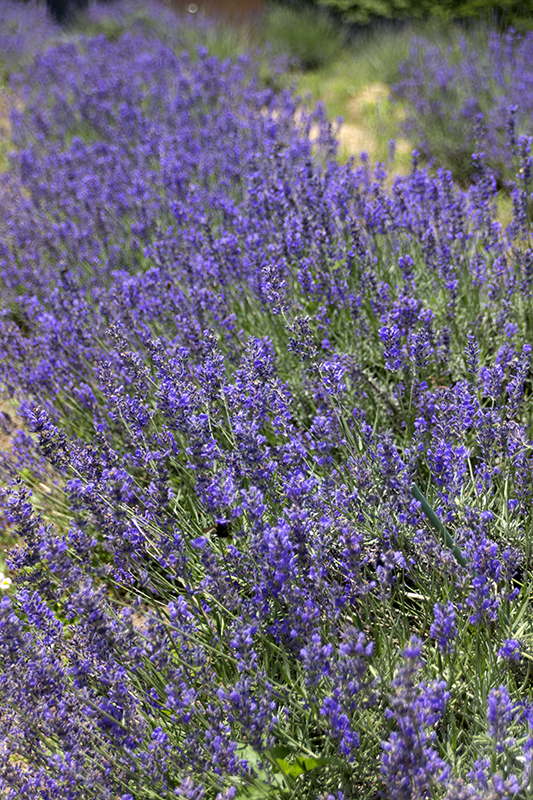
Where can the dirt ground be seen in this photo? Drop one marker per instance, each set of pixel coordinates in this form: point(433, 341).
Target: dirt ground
point(367, 120)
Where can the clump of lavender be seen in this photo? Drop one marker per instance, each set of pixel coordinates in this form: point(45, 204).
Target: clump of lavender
point(445, 88)
point(25, 28)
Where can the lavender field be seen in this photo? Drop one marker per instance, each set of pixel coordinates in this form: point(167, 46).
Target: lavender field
point(267, 429)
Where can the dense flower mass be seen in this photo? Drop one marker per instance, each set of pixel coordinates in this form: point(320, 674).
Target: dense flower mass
point(230, 369)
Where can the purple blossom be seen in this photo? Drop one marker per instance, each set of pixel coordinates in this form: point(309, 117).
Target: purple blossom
point(510, 650)
point(443, 628)
point(392, 350)
point(500, 714)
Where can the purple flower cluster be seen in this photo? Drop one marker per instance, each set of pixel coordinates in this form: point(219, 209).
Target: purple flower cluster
point(444, 629)
point(409, 764)
point(233, 357)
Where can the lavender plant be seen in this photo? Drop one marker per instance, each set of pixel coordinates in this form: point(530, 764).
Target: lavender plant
point(25, 28)
point(238, 366)
point(445, 87)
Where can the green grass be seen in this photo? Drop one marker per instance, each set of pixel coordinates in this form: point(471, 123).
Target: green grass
point(355, 86)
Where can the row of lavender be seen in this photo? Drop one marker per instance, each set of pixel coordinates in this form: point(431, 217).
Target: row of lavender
point(236, 358)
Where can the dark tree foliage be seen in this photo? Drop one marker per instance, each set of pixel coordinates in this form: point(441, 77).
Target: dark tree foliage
point(505, 13)
point(63, 10)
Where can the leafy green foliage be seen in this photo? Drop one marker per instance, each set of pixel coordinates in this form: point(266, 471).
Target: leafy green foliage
point(362, 12)
point(308, 36)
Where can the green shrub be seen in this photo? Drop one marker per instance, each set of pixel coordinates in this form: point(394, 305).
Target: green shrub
point(516, 13)
point(306, 34)
point(504, 12)
point(363, 12)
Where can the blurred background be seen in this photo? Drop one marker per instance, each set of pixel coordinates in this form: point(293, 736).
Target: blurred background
point(418, 73)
